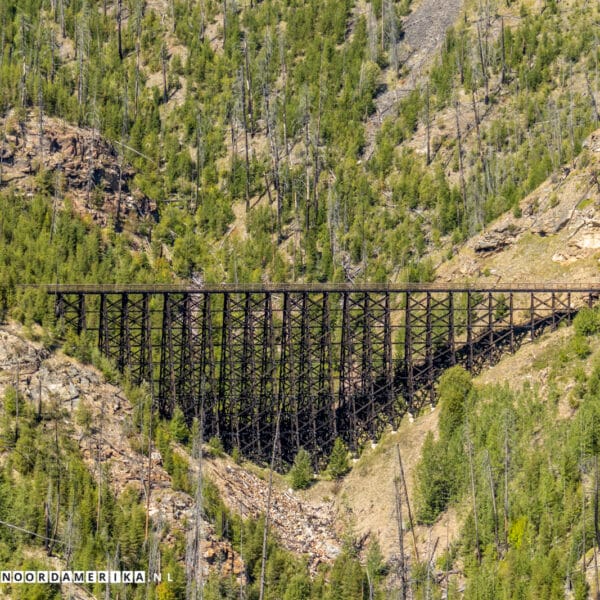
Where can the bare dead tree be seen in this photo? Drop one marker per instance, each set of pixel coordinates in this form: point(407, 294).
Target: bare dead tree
point(138, 37)
point(202, 24)
point(61, 13)
point(317, 139)
point(164, 56)
point(246, 144)
point(473, 495)
point(483, 61)
point(263, 565)
point(200, 156)
point(249, 88)
point(194, 567)
point(372, 33)
point(91, 155)
point(48, 521)
point(592, 98)
point(428, 121)
point(2, 146)
point(275, 159)
point(410, 515)
point(463, 185)
point(148, 485)
point(571, 111)
point(503, 76)
point(284, 102)
point(393, 36)
point(154, 557)
point(53, 47)
point(119, 16)
point(307, 161)
point(224, 22)
point(233, 110)
point(596, 528)
point(400, 527)
point(493, 496)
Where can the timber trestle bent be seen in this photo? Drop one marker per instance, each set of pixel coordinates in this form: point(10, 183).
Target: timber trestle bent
point(330, 360)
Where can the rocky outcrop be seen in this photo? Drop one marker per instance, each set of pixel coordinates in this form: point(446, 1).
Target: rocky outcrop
point(50, 155)
point(105, 437)
point(424, 30)
point(567, 204)
point(497, 238)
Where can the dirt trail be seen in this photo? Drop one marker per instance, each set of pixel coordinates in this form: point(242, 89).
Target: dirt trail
point(424, 31)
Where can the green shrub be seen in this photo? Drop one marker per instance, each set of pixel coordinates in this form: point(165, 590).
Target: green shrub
point(434, 487)
point(453, 390)
point(236, 456)
point(215, 446)
point(301, 473)
point(580, 346)
point(587, 321)
point(179, 429)
point(10, 401)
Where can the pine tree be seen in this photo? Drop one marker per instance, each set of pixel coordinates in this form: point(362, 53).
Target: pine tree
point(301, 471)
point(338, 461)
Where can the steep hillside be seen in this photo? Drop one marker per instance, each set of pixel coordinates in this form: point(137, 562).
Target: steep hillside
point(309, 141)
point(553, 235)
point(101, 418)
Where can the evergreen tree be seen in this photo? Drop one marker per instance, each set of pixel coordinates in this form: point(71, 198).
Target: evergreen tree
point(301, 473)
point(338, 461)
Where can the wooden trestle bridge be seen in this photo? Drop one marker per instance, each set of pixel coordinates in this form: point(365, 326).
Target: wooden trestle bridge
point(330, 360)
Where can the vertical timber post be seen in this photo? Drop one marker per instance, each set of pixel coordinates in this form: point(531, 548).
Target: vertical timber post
point(59, 310)
point(451, 341)
point(223, 416)
point(283, 403)
point(124, 341)
point(347, 398)
point(167, 375)
point(408, 361)
point(368, 389)
point(387, 358)
point(103, 326)
point(266, 401)
point(532, 315)
point(469, 334)
point(490, 324)
point(81, 317)
point(326, 390)
point(146, 368)
point(511, 325)
point(429, 346)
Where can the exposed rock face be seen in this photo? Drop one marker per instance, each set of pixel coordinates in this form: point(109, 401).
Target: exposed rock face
point(49, 154)
point(567, 204)
point(424, 31)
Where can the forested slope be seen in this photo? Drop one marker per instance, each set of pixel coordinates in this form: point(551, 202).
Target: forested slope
point(249, 133)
